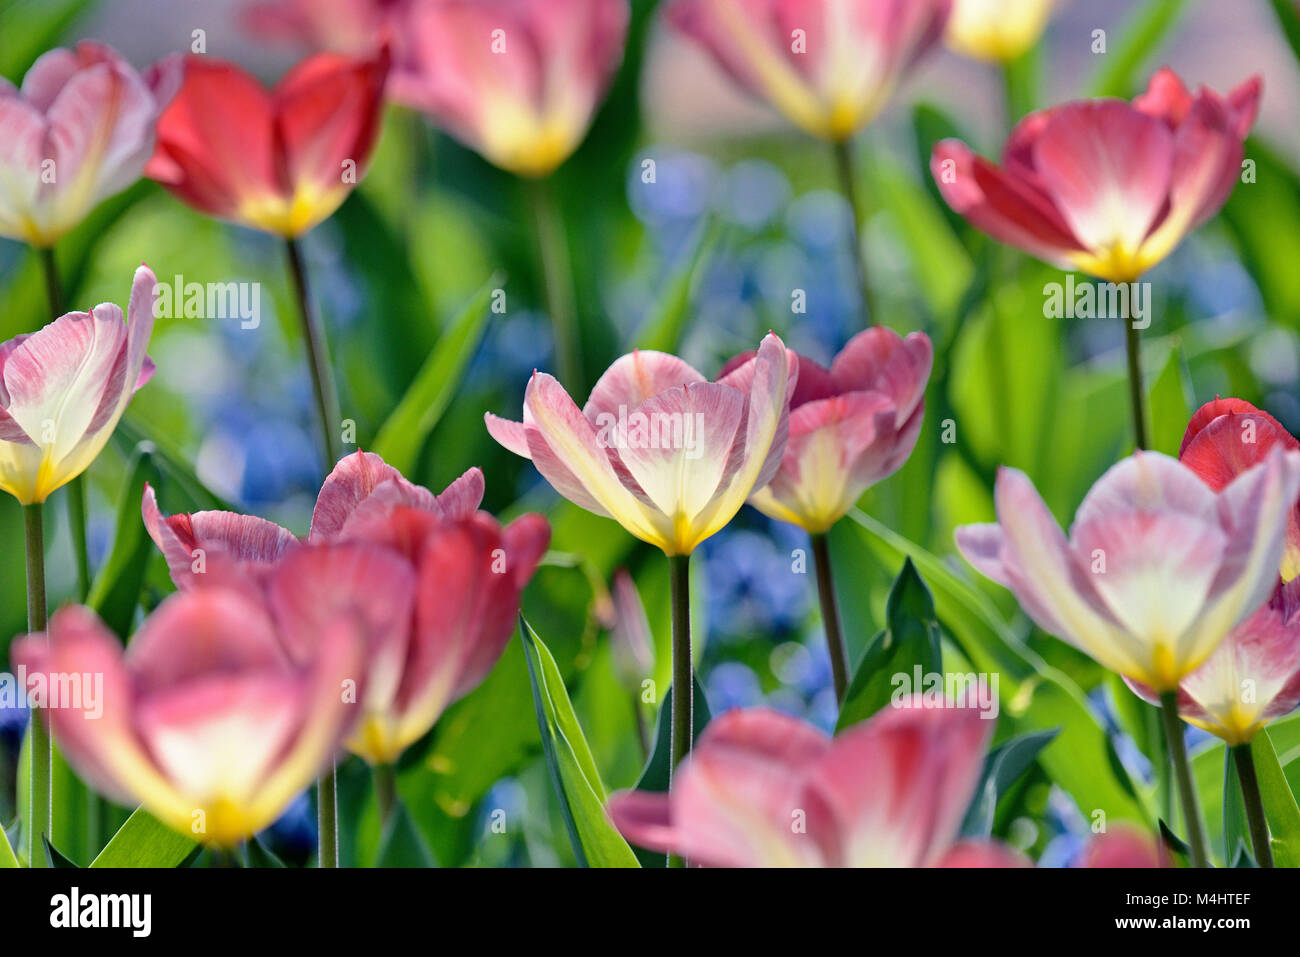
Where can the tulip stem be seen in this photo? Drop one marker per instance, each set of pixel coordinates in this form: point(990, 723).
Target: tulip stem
point(683, 718)
point(830, 614)
point(39, 806)
point(845, 166)
point(77, 487)
point(385, 790)
point(557, 282)
point(327, 817)
point(1133, 347)
point(1183, 775)
point(318, 360)
point(1254, 805)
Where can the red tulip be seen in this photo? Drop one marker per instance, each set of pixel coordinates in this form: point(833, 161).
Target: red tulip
point(79, 130)
point(762, 789)
point(829, 65)
point(1106, 186)
point(850, 427)
point(280, 160)
point(516, 80)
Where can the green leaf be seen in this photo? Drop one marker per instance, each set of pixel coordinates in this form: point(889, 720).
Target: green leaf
point(261, 856)
point(144, 841)
point(116, 589)
point(172, 464)
point(1133, 45)
point(1280, 808)
point(911, 640)
point(1176, 846)
point(1289, 18)
point(402, 845)
point(1002, 767)
point(56, 859)
point(596, 843)
point(30, 29)
point(7, 857)
point(400, 439)
point(1236, 827)
point(662, 329)
point(1170, 408)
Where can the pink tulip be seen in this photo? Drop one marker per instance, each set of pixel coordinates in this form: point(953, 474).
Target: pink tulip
point(79, 130)
point(356, 27)
point(280, 160)
point(516, 80)
point(204, 719)
point(829, 65)
point(64, 388)
point(465, 574)
point(762, 789)
point(1158, 569)
point(1106, 186)
point(664, 452)
point(1124, 846)
point(850, 427)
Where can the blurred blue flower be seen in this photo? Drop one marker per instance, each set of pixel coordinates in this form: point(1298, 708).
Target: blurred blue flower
point(293, 835)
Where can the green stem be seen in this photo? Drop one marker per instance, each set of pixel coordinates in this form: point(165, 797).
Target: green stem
point(1183, 775)
point(1133, 348)
point(385, 790)
point(1254, 805)
point(830, 614)
point(318, 361)
point(77, 487)
point(642, 729)
point(327, 817)
point(844, 166)
point(39, 808)
point(683, 721)
point(557, 280)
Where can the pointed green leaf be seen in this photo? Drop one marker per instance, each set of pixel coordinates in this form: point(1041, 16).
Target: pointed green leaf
point(7, 857)
point(596, 843)
point(57, 860)
point(259, 855)
point(116, 589)
point(1003, 766)
point(144, 841)
point(402, 845)
point(1236, 827)
point(400, 439)
point(1280, 808)
point(662, 329)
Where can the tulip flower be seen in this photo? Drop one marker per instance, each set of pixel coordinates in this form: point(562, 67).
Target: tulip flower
point(1106, 186)
point(279, 160)
point(667, 454)
point(204, 719)
point(829, 66)
point(996, 30)
point(355, 27)
point(1123, 847)
point(515, 80)
point(762, 789)
point(79, 129)
point(850, 427)
point(1158, 569)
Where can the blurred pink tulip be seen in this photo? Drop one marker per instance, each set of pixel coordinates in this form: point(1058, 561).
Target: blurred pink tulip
point(356, 27)
point(664, 452)
point(762, 789)
point(205, 719)
point(1106, 186)
point(465, 572)
point(631, 639)
point(516, 80)
point(1123, 846)
point(829, 65)
point(80, 129)
point(64, 388)
point(850, 427)
point(1158, 568)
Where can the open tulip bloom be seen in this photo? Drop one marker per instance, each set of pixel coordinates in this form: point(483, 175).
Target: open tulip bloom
point(762, 789)
point(1157, 571)
point(666, 453)
point(1107, 186)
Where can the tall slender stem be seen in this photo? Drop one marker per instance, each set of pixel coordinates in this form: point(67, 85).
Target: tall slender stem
point(844, 165)
point(830, 614)
point(1183, 775)
point(385, 790)
point(1133, 348)
point(557, 278)
point(327, 817)
point(318, 360)
point(39, 808)
point(683, 679)
point(76, 492)
point(1254, 805)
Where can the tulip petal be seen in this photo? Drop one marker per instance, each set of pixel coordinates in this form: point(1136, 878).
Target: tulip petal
point(354, 479)
point(632, 379)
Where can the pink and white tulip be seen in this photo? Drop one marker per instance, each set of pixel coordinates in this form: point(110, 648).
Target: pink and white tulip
point(80, 129)
point(1106, 186)
point(664, 452)
point(1158, 568)
point(829, 66)
point(518, 81)
point(850, 427)
point(64, 388)
point(205, 718)
point(762, 789)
